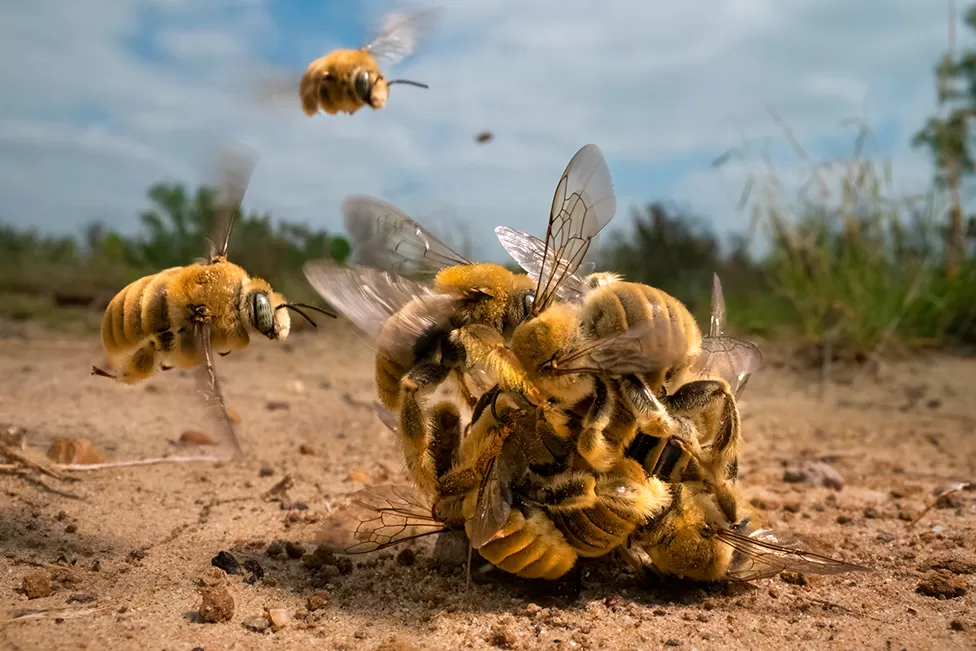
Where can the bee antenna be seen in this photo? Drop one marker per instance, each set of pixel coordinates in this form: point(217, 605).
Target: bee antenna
point(294, 307)
point(407, 81)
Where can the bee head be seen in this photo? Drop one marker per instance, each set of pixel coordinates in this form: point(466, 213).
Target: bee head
point(265, 317)
point(371, 87)
point(685, 544)
point(540, 342)
point(266, 311)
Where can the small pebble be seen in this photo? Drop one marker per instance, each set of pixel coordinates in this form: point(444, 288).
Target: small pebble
point(195, 437)
point(275, 549)
point(37, 585)
point(317, 600)
point(265, 471)
point(358, 475)
point(406, 557)
point(942, 585)
point(277, 405)
point(294, 550)
point(226, 562)
point(256, 623)
point(306, 449)
point(217, 605)
point(278, 617)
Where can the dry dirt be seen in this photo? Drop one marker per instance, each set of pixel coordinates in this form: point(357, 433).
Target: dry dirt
point(125, 549)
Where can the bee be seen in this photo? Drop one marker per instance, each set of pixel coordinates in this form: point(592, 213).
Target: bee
point(709, 371)
point(426, 332)
point(179, 316)
point(347, 80)
point(503, 483)
point(693, 539)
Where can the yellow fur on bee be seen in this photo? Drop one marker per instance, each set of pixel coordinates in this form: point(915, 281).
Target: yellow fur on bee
point(335, 74)
point(138, 317)
point(493, 279)
point(528, 547)
point(677, 546)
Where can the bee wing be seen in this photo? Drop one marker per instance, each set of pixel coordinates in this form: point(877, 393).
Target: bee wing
point(210, 388)
point(642, 348)
point(387, 416)
point(400, 33)
point(761, 555)
point(370, 297)
point(387, 238)
point(376, 518)
point(584, 202)
point(236, 167)
point(493, 509)
point(716, 321)
point(733, 360)
point(530, 253)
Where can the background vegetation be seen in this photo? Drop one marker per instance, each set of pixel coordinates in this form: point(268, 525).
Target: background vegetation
point(847, 264)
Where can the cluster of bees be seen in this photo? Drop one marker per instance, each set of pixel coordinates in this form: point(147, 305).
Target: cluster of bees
point(589, 415)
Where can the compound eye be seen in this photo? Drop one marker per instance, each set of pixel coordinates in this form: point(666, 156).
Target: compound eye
point(363, 87)
point(263, 314)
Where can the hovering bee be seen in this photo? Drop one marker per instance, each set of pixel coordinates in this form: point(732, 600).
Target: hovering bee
point(179, 316)
point(346, 80)
point(425, 332)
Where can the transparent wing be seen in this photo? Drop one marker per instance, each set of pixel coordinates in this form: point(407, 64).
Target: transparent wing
point(400, 34)
point(387, 416)
point(236, 165)
point(530, 253)
point(584, 202)
point(716, 322)
point(376, 518)
point(760, 555)
point(492, 510)
point(644, 348)
point(387, 238)
point(212, 393)
point(733, 360)
point(390, 311)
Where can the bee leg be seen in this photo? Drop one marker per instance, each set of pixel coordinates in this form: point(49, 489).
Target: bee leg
point(414, 426)
point(140, 365)
point(485, 345)
point(464, 390)
point(711, 408)
point(646, 572)
point(486, 437)
point(100, 373)
point(225, 354)
point(593, 444)
point(445, 437)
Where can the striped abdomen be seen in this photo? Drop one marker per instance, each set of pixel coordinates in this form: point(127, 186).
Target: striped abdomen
point(529, 545)
point(140, 310)
point(614, 307)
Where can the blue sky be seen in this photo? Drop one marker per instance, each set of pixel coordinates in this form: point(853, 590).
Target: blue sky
point(100, 99)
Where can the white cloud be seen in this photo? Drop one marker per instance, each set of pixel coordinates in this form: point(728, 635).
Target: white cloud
point(651, 84)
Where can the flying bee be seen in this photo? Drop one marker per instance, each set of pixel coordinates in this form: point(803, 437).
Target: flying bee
point(181, 315)
point(347, 80)
point(427, 332)
point(693, 539)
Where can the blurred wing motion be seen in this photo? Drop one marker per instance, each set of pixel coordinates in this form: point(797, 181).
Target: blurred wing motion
point(212, 393)
point(376, 518)
point(643, 348)
point(716, 321)
point(370, 297)
point(529, 252)
point(236, 168)
point(400, 33)
point(584, 202)
point(760, 555)
point(387, 238)
point(733, 360)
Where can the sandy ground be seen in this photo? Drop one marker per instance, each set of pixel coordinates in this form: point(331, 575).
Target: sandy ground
point(128, 548)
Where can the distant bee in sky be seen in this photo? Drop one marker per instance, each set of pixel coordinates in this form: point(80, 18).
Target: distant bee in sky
point(484, 137)
point(346, 80)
